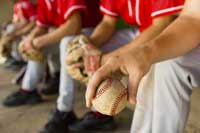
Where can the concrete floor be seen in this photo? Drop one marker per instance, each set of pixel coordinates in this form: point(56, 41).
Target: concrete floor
point(29, 119)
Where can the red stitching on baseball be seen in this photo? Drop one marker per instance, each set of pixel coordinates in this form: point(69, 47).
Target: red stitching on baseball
point(116, 103)
point(104, 88)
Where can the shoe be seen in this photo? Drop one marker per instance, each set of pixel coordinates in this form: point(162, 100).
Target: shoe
point(22, 98)
point(52, 86)
point(59, 121)
point(13, 64)
point(93, 123)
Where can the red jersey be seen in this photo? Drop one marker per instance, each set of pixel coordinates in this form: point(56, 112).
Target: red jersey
point(28, 9)
point(56, 12)
point(140, 12)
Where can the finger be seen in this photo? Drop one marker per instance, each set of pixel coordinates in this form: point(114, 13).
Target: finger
point(134, 80)
point(98, 76)
point(77, 65)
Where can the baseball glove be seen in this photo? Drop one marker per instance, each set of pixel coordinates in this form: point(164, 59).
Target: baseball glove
point(82, 59)
point(29, 52)
point(5, 48)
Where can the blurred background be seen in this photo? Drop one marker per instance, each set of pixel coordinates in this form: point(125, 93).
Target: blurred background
point(5, 11)
point(30, 119)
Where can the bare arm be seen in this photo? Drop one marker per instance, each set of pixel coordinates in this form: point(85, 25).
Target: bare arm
point(70, 27)
point(180, 37)
point(37, 31)
point(104, 30)
point(129, 60)
point(155, 29)
point(25, 29)
point(20, 17)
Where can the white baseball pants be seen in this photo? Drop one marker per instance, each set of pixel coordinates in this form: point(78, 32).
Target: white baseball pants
point(15, 52)
point(67, 84)
point(163, 99)
point(36, 69)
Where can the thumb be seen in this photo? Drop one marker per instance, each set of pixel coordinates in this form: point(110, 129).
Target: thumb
point(134, 80)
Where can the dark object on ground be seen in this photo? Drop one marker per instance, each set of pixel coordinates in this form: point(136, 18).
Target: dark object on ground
point(92, 123)
point(52, 85)
point(21, 97)
point(59, 121)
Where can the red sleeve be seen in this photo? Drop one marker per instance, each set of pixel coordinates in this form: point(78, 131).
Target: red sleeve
point(41, 14)
point(29, 11)
point(166, 7)
point(109, 7)
point(27, 8)
point(16, 9)
point(70, 6)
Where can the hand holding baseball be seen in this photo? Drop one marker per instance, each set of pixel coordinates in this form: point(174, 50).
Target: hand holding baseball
point(133, 62)
point(111, 96)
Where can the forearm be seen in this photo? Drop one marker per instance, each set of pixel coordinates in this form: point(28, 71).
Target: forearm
point(71, 27)
point(179, 38)
point(19, 25)
point(25, 29)
point(103, 31)
point(101, 34)
point(146, 36)
point(58, 34)
point(12, 28)
point(37, 31)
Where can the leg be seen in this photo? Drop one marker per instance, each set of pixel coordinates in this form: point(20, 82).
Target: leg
point(164, 107)
point(28, 93)
point(15, 61)
point(63, 114)
point(52, 84)
point(142, 120)
point(53, 63)
point(33, 75)
point(67, 84)
point(93, 121)
point(15, 52)
point(171, 98)
point(36, 69)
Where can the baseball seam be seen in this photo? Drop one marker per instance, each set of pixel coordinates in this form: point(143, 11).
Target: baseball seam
point(117, 100)
point(104, 88)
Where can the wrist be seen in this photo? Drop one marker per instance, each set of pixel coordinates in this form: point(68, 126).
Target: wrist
point(150, 52)
point(36, 44)
point(104, 58)
point(94, 42)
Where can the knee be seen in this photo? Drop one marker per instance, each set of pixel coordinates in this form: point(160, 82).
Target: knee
point(171, 76)
point(64, 42)
point(33, 63)
point(166, 70)
point(36, 66)
point(63, 47)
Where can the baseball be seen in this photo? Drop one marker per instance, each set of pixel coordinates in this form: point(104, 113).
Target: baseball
point(111, 97)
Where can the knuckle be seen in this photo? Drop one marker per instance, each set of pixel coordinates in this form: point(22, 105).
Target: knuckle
point(97, 76)
point(140, 70)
